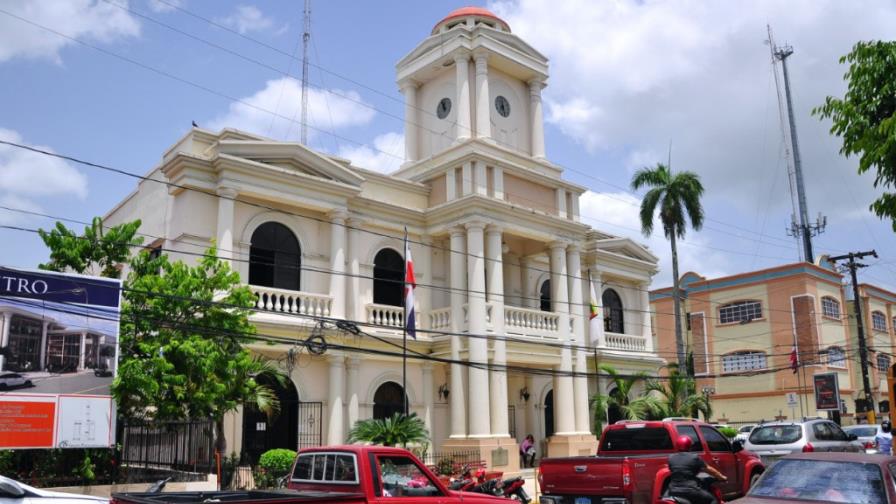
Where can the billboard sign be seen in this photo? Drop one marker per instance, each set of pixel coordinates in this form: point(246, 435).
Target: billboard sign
point(827, 392)
point(58, 356)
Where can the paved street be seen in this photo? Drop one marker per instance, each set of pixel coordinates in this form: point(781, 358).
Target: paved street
point(84, 382)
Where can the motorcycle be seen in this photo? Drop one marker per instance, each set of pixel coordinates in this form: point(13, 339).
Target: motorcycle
point(512, 488)
point(706, 482)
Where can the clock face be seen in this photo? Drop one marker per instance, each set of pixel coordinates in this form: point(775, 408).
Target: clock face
point(502, 106)
point(443, 108)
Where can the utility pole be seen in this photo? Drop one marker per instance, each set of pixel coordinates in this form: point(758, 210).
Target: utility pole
point(306, 37)
point(860, 326)
point(804, 230)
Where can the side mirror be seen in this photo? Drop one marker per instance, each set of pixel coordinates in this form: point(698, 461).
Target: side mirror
point(852, 437)
point(737, 445)
point(9, 488)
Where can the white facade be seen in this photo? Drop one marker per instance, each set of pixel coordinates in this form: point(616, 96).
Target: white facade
point(490, 220)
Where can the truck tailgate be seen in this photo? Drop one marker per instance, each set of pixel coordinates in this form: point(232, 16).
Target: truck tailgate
point(582, 476)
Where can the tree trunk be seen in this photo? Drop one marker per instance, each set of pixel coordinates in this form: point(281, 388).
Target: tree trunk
point(676, 301)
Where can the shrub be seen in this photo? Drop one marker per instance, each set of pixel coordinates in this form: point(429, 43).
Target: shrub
point(273, 465)
point(728, 432)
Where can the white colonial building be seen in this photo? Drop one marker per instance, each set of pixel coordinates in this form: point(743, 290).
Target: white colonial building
point(497, 242)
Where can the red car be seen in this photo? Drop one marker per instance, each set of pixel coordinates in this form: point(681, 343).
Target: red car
point(858, 478)
point(631, 464)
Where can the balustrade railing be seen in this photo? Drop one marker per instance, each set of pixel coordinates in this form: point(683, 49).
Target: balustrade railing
point(290, 301)
point(440, 319)
point(385, 315)
point(529, 322)
point(616, 341)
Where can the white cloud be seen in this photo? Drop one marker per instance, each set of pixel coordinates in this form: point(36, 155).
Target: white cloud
point(24, 173)
point(82, 19)
point(327, 110)
point(385, 156)
point(164, 6)
point(247, 18)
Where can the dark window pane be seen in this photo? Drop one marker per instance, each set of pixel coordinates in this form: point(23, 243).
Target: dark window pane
point(303, 467)
point(776, 434)
point(388, 278)
point(642, 438)
point(388, 400)
point(275, 257)
point(689, 431)
point(715, 441)
point(613, 312)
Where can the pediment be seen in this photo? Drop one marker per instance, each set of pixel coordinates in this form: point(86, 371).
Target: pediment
point(628, 248)
point(293, 156)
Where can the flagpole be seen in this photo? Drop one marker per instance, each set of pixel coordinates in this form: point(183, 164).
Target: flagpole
point(404, 344)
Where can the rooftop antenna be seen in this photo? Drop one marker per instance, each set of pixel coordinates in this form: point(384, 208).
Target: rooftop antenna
point(306, 37)
point(804, 230)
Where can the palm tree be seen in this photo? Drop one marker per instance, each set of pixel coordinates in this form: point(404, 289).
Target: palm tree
point(674, 195)
point(620, 396)
point(261, 397)
point(678, 396)
point(394, 431)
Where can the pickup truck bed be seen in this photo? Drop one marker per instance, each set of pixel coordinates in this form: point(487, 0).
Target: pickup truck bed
point(238, 497)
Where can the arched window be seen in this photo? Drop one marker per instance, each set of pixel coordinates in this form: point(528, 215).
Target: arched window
point(613, 313)
point(836, 357)
point(388, 400)
point(544, 296)
point(830, 307)
point(275, 259)
point(743, 361)
point(740, 311)
point(549, 414)
point(388, 278)
point(879, 321)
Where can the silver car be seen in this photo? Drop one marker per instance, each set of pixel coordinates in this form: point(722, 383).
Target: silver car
point(773, 440)
point(744, 432)
point(866, 434)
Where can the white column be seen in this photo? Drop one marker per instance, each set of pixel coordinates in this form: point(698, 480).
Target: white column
point(600, 339)
point(536, 117)
point(498, 378)
point(335, 434)
point(479, 418)
point(355, 308)
point(483, 100)
point(529, 298)
point(423, 275)
point(409, 90)
point(337, 263)
point(225, 222)
point(4, 337)
point(646, 328)
point(352, 411)
point(564, 409)
point(577, 311)
point(42, 362)
point(533, 410)
point(466, 174)
point(458, 267)
point(462, 66)
point(498, 173)
point(450, 185)
point(427, 396)
point(574, 211)
point(82, 349)
point(480, 182)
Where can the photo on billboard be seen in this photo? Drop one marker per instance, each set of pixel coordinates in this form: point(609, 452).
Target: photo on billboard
point(827, 392)
point(58, 356)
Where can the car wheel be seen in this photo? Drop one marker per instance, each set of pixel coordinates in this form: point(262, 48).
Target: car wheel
point(754, 478)
point(28, 383)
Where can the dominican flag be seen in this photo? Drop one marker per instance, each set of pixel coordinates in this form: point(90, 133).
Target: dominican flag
point(409, 285)
point(794, 360)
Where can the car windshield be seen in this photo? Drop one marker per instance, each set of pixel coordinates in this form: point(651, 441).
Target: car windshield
point(776, 434)
point(746, 428)
point(822, 480)
point(862, 431)
point(636, 438)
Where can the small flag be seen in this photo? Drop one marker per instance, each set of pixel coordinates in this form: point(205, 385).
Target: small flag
point(595, 322)
point(794, 360)
point(409, 285)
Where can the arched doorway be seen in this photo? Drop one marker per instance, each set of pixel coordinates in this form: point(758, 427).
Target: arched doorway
point(544, 296)
point(388, 278)
point(261, 434)
point(549, 414)
point(275, 258)
point(613, 312)
point(387, 400)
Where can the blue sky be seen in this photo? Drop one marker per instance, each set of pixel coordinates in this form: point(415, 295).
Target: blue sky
point(627, 78)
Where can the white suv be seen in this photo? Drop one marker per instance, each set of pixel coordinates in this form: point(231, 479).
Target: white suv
point(772, 441)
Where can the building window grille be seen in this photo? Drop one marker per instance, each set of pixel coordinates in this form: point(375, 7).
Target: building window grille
point(741, 311)
point(613, 312)
point(275, 258)
point(883, 362)
point(879, 321)
point(836, 357)
point(830, 307)
point(743, 361)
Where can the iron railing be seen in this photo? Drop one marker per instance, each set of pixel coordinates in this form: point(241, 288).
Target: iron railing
point(176, 446)
point(451, 463)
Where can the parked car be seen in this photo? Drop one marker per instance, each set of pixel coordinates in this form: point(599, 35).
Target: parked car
point(773, 440)
point(14, 380)
point(352, 473)
point(744, 432)
point(866, 434)
point(13, 492)
point(827, 477)
point(631, 464)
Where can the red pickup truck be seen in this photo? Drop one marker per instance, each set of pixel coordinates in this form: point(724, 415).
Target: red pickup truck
point(631, 464)
point(354, 474)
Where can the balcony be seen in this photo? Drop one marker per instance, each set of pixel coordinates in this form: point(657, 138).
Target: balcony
point(626, 342)
point(291, 302)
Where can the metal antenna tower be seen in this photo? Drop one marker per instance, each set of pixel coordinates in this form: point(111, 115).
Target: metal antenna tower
point(804, 230)
point(306, 37)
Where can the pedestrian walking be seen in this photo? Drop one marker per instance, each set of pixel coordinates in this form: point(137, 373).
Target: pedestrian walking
point(884, 439)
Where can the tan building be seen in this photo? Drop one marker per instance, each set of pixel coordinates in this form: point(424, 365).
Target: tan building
point(878, 312)
point(743, 328)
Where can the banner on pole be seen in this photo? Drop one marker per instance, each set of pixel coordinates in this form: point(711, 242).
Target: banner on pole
point(58, 356)
point(827, 392)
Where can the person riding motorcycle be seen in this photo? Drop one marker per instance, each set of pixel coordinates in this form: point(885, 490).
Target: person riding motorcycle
point(684, 465)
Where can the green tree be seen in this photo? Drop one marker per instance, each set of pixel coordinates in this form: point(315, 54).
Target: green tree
point(678, 397)
point(182, 336)
point(865, 118)
point(394, 431)
point(621, 396)
point(677, 196)
point(105, 249)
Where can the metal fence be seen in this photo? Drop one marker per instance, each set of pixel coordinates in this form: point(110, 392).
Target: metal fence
point(451, 463)
point(175, 446)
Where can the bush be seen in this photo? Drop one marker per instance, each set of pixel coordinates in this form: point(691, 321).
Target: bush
point(728, 432)
point(273, 465)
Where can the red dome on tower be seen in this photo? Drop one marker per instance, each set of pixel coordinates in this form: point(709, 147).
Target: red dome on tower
point(468, 11)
